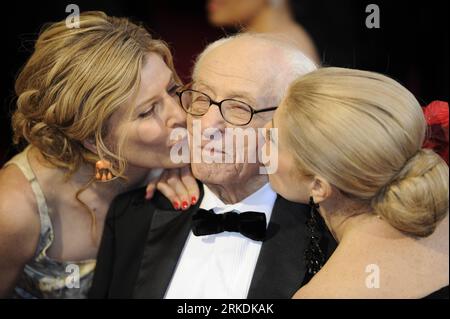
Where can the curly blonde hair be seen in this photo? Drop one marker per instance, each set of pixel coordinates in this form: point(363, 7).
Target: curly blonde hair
point(72, 84)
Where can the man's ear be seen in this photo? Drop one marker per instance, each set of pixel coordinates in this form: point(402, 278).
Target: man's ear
point(90, 145)
point(321, 189)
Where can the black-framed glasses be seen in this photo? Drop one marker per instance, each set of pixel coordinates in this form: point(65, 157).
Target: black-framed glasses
point(233, 111)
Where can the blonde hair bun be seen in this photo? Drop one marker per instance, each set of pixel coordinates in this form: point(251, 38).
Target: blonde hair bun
point(363, 132)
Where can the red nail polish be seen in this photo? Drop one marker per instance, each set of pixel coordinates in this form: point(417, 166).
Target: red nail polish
point(176, 205)
point(193, 200)
point(184, 204)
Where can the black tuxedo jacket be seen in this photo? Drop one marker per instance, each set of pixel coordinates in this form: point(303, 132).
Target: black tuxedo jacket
point(143, 240)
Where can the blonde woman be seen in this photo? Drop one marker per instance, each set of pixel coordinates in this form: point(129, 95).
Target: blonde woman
point(96, 106)
point(350, 144)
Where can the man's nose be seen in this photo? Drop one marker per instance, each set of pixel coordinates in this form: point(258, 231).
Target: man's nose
point(176, 116)
point(213, 118)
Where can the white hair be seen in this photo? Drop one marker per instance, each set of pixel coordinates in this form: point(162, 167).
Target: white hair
point(293, 65)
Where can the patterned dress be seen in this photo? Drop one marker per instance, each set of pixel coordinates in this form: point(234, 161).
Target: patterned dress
point(43, 277)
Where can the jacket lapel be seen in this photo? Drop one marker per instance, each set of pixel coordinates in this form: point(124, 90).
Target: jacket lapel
point(165, 241)
point(280, 268)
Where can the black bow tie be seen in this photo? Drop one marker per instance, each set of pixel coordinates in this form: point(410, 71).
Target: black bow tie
point(249, 224)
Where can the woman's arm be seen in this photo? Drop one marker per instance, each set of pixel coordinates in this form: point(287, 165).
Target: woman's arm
point(19, 227)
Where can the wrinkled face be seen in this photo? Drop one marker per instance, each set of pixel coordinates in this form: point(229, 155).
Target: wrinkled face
point(233, 12)
point(155, 111)
point(230, 71)
point(287, 180)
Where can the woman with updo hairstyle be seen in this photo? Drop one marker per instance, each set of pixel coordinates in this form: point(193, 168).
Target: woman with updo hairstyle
point(350, 145)
point(95, 108)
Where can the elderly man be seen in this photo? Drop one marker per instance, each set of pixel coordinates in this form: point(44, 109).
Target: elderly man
point(150, 250)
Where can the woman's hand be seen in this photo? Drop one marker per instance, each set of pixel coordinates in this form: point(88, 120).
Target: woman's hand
point(178, 185)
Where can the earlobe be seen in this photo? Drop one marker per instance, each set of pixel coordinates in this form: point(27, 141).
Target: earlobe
point(90, 145)
point(321, 189)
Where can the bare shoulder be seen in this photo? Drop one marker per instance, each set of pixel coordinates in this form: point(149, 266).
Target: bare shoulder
point(364, 267)
point(19, 226)
point(19, 218)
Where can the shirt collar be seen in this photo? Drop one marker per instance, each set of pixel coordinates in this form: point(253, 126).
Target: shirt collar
point(262, 201)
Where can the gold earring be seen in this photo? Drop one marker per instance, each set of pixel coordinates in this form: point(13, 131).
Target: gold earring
point(103, 171)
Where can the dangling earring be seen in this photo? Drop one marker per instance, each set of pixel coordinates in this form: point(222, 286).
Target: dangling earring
point(314, 257)
point(103, 171)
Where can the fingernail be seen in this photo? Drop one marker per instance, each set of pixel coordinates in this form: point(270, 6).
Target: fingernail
point(184, 204)
point(176, 205)
point(193, 200)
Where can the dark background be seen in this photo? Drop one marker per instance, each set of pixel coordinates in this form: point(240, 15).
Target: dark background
point(411, 45)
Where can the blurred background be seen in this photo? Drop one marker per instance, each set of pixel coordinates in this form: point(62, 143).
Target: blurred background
point(411, 44)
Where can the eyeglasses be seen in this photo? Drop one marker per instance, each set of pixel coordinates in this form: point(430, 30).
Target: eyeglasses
point(233, 111)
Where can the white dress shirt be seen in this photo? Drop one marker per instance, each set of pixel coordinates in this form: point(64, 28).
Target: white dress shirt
point(220, 266)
